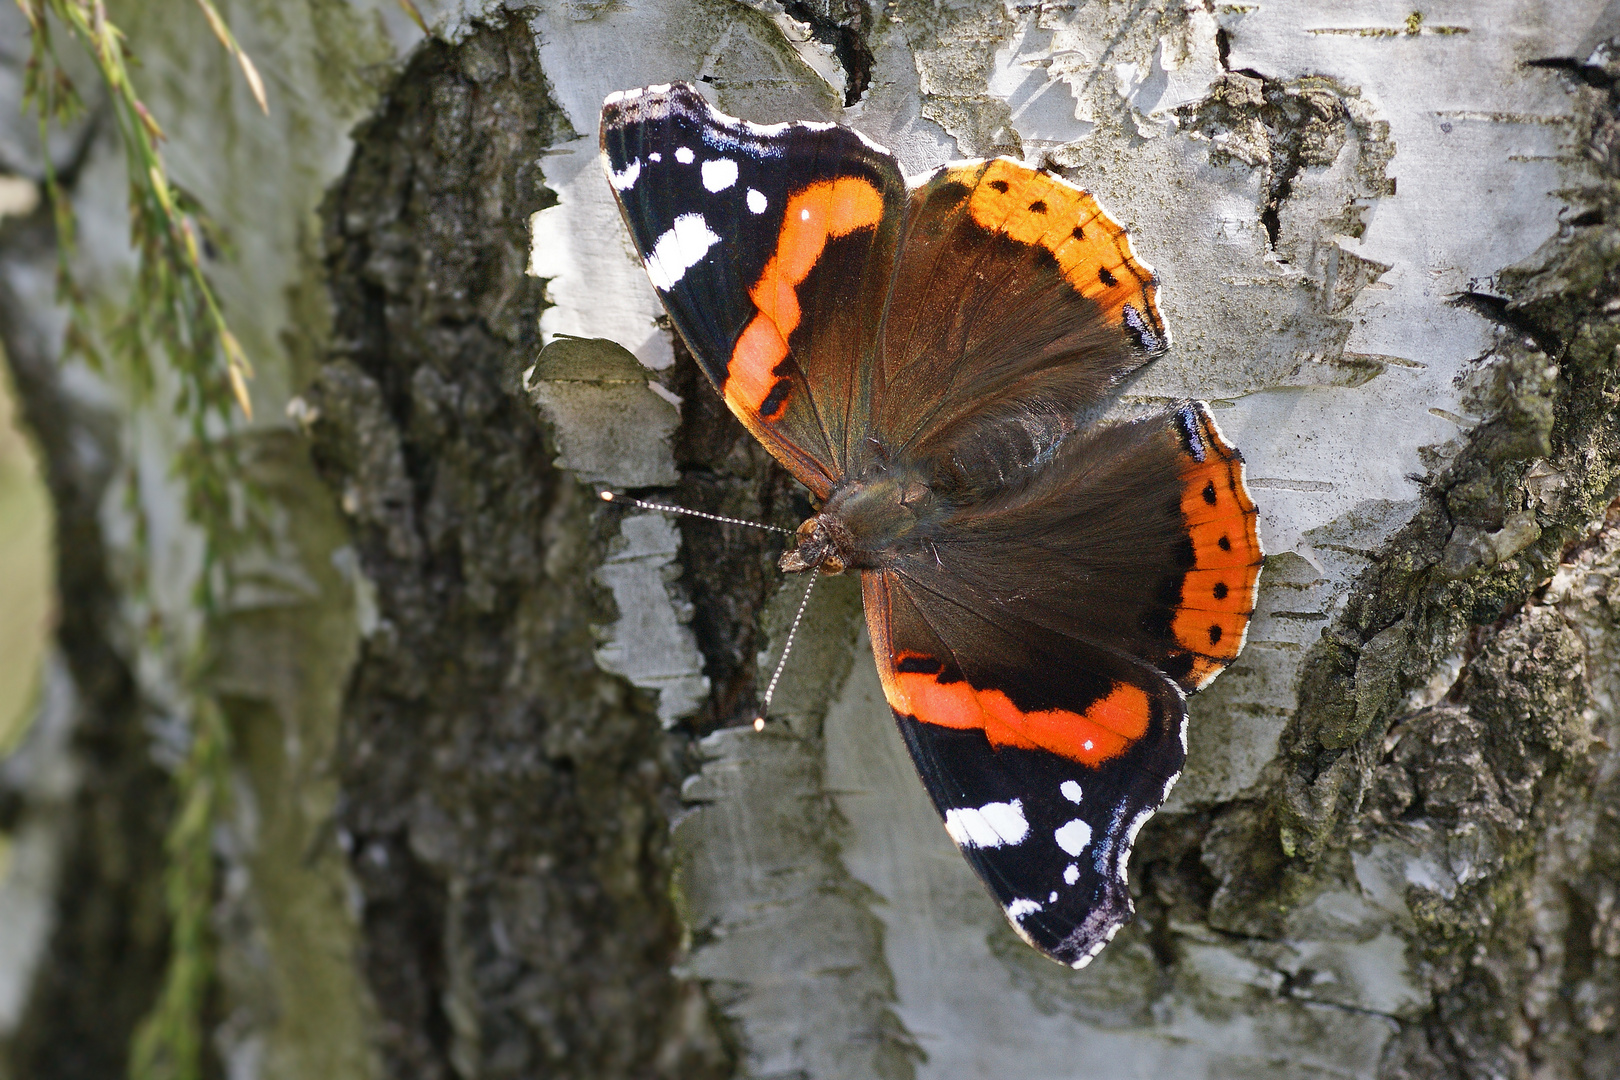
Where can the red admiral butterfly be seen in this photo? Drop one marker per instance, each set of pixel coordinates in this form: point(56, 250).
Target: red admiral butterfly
point(1042, 594)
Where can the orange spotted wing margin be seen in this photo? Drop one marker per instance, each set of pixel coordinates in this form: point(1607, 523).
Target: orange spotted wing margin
point(772, 248)
point(1043, 757)
point(1216, 600)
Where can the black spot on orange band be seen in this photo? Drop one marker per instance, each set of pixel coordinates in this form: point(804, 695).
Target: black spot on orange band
point(776, 399)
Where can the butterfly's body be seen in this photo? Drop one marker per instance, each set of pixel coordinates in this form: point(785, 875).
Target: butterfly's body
point(868, 523)
point(1041, 593)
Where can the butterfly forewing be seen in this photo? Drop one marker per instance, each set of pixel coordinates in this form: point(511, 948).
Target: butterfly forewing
point(772, 249)
point(1044, 755)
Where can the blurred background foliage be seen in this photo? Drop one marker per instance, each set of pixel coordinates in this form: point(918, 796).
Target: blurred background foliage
point(27, 586)
point(27, 592)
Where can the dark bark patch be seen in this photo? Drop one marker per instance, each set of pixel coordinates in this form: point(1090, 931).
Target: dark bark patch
point(504, 800)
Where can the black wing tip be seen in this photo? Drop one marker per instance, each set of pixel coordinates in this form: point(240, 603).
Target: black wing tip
point(1192, 422)
point(1200, 433)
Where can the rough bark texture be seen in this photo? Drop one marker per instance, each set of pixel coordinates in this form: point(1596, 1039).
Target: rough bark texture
point(505, 801)
point(498, 808)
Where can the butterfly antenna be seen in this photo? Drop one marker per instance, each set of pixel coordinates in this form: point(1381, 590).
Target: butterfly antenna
point(625, 500)
point(787, 647)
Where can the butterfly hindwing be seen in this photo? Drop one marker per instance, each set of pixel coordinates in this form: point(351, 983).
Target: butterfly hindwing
point(1137, 537)
point(772, 248)
point(1043, 755)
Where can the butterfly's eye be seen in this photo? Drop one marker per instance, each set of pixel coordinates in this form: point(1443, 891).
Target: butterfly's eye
point(912, 492)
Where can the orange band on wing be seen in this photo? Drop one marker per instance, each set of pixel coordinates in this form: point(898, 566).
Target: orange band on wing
point(814, 215)
point(1093, 251)
point(1104, 730)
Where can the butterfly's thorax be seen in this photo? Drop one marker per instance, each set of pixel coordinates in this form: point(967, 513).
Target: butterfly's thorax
point(866, 522)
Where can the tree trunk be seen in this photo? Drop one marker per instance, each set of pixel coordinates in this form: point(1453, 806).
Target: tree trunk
point(497, 808)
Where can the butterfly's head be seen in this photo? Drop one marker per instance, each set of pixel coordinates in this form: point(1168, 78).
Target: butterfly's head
point(824, 544)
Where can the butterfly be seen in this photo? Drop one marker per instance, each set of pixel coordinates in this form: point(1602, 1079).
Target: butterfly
point(1042, 593)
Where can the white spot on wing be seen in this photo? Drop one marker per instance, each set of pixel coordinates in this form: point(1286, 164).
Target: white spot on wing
point(1052, 898)
point(684, 155)
point(1071, 874)
point(756, 201)
point(804, 215)
point(679, 250)
point(625, 180)
point(719, 174)
point(1088, 744)
point(1071, 790)
point(991, 825)
point(1073, 836)
point(1019, 908)
point(655, 157)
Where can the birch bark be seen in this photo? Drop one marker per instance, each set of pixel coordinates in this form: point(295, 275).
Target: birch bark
point(498, 810)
